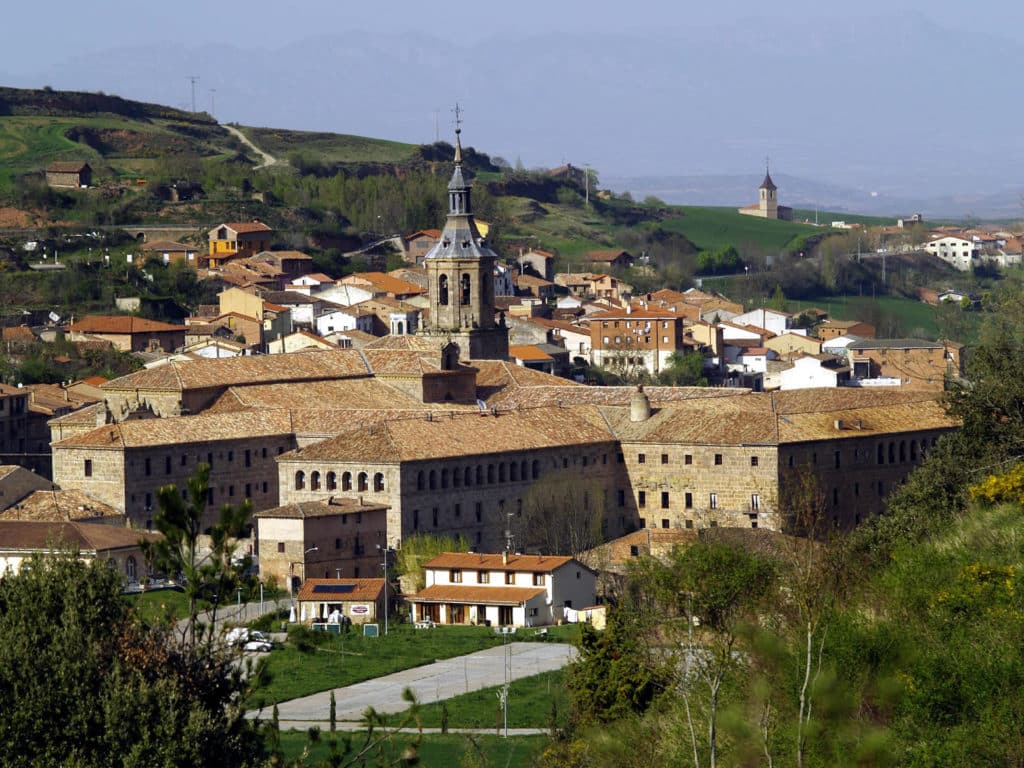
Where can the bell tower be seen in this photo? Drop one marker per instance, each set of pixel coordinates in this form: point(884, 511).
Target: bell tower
point(460, 270)
point(768, 202)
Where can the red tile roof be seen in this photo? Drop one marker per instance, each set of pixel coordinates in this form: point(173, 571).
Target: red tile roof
point(456, 593)
point(481, 561)
point(121, 324)
point(363, 590)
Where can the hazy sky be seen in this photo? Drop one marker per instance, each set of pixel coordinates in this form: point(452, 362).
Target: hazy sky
point(882, 95)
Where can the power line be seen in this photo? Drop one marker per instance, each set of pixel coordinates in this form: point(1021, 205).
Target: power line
point(193, 79)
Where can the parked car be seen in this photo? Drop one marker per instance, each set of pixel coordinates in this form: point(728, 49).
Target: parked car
point(249, 639)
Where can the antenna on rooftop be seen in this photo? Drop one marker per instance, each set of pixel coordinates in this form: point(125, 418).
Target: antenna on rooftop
point(193, 79)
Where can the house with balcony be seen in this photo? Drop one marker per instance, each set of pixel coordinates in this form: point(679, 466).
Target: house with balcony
point(502, 589)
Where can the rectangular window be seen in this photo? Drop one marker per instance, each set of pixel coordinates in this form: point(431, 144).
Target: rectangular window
point(479, 511)
point(688, 459)
point(88, 467)
point(664, 458)
point(434, 511)
point(713, 501)
point(837, 459)
point(718, 459)
point(641, 458)
point(455, 576)
point(149, 468)
point(664, 499)
point(621, 498)
point(167, 465)
point(641, 499)
point(231, 490)
point(248, 457)
point(483, 577)
point(510, 577)
point(688, 500)
point(664, 522)
point(184, 459)
point(248, 490)
point(538, 579)
point(280, 547)
point(755, 501)
point(753, 461)
point(458, 510)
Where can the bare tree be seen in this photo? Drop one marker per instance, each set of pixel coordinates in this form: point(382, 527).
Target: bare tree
point(561, 515)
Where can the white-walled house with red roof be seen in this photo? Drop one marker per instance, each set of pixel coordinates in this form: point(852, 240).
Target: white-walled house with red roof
point(502, 589)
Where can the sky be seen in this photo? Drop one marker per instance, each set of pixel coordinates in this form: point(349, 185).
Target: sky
point(909, 99)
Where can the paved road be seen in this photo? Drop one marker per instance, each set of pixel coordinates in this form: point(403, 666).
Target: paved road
point(430, 683)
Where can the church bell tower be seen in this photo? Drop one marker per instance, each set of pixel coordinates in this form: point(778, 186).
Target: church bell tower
point(460, 269)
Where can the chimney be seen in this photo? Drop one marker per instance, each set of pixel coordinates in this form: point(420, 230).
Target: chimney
point(838, 424)
point(504, 557)
point(639, 405)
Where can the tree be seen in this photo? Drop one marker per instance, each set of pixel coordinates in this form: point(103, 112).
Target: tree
point(207, 571)
point(418, 549)
point(85, 684)
point(562, 514)
point(684, 369)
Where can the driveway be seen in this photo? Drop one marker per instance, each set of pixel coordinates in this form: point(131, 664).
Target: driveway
point(430, 683)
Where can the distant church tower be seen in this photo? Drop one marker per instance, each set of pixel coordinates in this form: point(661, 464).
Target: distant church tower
point(460, 269)
point(768, 203)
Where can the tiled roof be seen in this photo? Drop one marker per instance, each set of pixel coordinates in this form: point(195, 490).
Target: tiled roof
point(416, 343)
point(244, 227)
point(784, 417)
point(431, 233)
point(461, 434)
point(225, 372)
point(18, 333)
point(559, 325)
point(528, 352)
point(86, 415)
point(184, 429)
point(530, 280)
point(480, 561)
point(57, 506)
point(70, 166)
point(605, 256)
point(469, 595)
point(384, 282)
point(120, 324)
point(363, 590)
point(31, 535)
point(336, 505)
point(894, 344)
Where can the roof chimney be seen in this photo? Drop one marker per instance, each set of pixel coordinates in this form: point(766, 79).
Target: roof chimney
point(504, 557)
point(639, 405)
point(838, 423)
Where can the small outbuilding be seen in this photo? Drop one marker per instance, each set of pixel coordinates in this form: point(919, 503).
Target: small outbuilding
point(74, 174)
point(360, 601)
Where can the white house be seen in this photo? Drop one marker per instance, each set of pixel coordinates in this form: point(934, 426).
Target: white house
point(769, 319)
point(503, 285)
point(960, 252)
point(813, 371)
point(338, 318)
point(838, 345)
point(502, 589)
point(345, 295)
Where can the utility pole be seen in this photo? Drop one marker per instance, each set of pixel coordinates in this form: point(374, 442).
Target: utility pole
point(193, 79)
point(586, 184)
point(213, 103)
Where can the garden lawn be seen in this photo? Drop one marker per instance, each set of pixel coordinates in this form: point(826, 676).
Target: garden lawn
point(436, 750)
point(340, 660)
point(529, 705)
point(160, 603)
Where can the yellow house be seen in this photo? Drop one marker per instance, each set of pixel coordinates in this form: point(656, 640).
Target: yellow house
point(237, 240)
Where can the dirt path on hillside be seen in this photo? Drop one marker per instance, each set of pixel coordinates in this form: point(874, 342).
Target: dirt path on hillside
point(268, 159)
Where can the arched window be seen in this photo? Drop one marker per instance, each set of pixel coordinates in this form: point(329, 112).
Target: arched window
point(913, 450)
point(400, 328)
point(490, 474)
point(456, 477)
point(892, 453)
point(479, 474)
point(523, 471)
point(130, 569)
point(513, 472)
point(444, 478)
point(420, 480)
point(501, 472)
point(346, 481)
point(332, 481)
point(300, 480)
point(467, 477)
point(465, 288)
point(433, 479)
point(442, 290)
point(881, 454)
point(536, 469)
point(314, 481)
point(363, 485)
point(903, 451)
point(378, 482)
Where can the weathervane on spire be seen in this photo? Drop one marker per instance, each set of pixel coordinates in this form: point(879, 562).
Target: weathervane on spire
point(458, 130)
point(766, 166)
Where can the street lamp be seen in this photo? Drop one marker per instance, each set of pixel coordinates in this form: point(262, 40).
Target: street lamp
point(384, 550)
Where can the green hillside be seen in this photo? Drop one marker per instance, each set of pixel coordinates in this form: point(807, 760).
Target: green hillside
point(713, 228)
point(329, 148)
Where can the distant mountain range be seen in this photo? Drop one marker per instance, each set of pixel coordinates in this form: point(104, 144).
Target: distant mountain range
point(918, 113)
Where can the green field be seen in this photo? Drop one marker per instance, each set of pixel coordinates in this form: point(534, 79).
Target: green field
point(529, 705)
point(916, 319)
point(712, 228)
point(329, 147)
point(343, 660)
point(435, 750)
point(159, 604)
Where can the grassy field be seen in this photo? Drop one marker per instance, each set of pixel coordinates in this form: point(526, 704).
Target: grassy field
point(712, 228)
point(435, 750)
point(915, 317)
point(529, 705)
point(826, 217)
point(160, 603)
point(328, 147)
point(344, 660)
